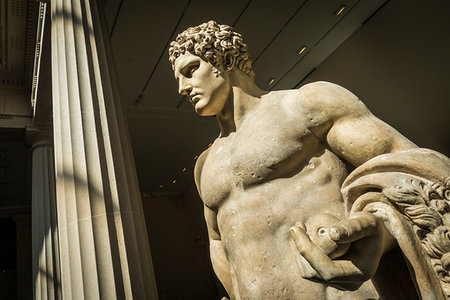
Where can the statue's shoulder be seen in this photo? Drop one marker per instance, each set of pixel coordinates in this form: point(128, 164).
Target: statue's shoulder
point(329, 99)
point(320, 101)
point(200, 161)
point(326, 92)
point(313, 94)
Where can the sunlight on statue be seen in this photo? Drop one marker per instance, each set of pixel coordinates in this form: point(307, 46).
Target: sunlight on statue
point(286, 218)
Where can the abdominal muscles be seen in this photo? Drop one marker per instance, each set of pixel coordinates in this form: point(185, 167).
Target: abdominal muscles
point(254, 226)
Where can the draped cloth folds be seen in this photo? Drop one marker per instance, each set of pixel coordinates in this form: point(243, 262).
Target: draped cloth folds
point(410, 191)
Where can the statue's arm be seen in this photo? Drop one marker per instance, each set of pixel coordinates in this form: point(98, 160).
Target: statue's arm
point(339, 119)
point(359, 264)
point(219, 260)
point(342, 121)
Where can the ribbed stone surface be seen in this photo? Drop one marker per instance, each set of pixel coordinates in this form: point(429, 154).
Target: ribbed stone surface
point(103, 240)
point(44, 227)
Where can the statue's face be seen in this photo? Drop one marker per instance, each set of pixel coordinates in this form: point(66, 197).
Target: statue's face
point(196, 79)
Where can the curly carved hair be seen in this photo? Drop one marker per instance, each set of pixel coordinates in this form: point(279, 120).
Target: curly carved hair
point(213, 42)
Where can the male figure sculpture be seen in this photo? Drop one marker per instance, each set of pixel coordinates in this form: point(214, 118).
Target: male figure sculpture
point(285, 219)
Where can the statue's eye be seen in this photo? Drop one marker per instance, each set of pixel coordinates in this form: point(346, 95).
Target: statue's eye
point(191, 70)
point(188, 70)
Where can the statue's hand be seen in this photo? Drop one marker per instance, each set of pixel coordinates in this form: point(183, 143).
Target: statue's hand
point(368, 237)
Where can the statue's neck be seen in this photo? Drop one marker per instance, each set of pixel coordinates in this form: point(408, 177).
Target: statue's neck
point(244, 98)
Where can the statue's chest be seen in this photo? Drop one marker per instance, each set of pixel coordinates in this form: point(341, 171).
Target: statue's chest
point(257, 153)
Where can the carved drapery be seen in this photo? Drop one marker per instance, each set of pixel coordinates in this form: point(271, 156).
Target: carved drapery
point(410, 191)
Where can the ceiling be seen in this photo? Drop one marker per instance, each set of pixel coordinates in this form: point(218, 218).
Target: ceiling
point(166, 133)
point(17, 45)
point(17, 41)
point(17, 48)
point(391, 54)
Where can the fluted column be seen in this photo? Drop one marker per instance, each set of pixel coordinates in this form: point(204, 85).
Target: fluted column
point(45, 258)
point(103, 239)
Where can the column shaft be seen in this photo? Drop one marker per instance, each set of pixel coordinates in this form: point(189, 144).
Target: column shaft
point(103, 239)
point(44, 226)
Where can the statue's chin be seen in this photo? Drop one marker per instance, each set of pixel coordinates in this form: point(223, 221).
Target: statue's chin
point(202, 110)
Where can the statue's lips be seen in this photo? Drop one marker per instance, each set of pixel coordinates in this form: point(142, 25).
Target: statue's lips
point(194, 99)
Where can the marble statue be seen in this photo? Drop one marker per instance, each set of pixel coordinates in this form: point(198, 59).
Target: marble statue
point(288, 215)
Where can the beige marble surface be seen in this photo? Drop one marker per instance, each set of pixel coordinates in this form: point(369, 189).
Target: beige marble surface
point(103, 242)
point(279, 226)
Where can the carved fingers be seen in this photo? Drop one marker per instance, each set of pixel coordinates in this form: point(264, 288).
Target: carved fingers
point(308, 249)
point(356, 266)
point(361, 225)
point(323, 267)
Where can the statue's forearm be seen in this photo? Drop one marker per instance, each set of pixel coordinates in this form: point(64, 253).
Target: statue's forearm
point(221, 265)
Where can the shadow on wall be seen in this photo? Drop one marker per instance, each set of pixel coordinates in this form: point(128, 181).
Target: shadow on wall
point(180, 248)
point(8, 284)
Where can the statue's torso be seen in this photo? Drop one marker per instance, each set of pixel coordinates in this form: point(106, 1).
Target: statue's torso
point(262, 179)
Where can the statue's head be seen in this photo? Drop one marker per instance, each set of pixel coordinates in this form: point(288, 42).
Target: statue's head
point(217, 44)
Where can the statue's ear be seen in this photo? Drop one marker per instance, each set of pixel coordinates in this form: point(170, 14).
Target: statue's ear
point(229, 62)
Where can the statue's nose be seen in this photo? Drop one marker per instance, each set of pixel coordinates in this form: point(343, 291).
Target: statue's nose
point(184, 87)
